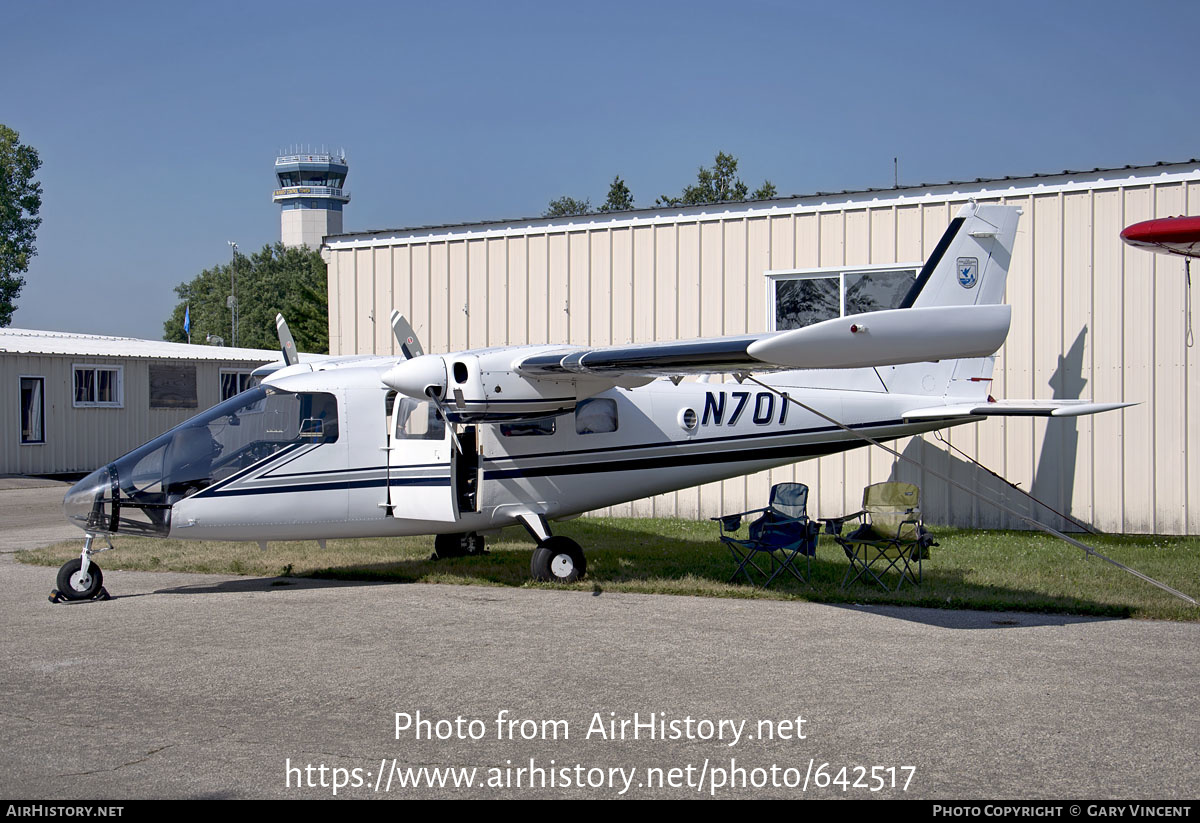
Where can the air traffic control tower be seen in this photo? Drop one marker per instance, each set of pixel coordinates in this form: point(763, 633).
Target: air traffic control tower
point(311, 196)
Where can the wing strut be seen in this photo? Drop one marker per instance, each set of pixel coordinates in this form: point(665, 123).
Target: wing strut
point(1029, 520)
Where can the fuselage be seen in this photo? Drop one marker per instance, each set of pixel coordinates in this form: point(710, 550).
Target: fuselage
point(339, 455)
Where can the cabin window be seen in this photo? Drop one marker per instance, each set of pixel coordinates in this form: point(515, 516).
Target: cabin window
point(33, 410)
point(418, 420)
point(234, 382)
point(98, 386)
point(308, 418)
point(172, 386)
point(596, 415)
point(802, 297)
point(528, 428)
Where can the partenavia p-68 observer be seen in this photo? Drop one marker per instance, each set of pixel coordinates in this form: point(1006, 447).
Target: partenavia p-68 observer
point(462, 444)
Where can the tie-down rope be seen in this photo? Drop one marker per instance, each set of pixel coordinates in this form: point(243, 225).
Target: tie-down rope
point(1002, 507)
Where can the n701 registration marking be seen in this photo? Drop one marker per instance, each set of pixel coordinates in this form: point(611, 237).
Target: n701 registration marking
point(717, 406)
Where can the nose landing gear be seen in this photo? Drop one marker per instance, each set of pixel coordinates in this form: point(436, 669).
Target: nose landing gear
point(80, 578)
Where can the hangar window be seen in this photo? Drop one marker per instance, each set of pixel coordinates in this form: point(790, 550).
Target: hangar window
point(803, 297)
point(98, 386)
point(172, 386)
point(234, 382)
point(33, 410)
point(596, 415)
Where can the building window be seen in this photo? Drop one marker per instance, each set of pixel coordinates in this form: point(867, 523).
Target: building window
point(234, 382)
point(33, 410)
point(173, 386)
point(596, 415)
point(98, 386)
point(801, 298)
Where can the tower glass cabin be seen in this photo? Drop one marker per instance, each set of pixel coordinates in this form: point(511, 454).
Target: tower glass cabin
point(311, 195)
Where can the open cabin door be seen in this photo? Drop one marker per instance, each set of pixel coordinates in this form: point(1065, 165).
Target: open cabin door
point(421, 463)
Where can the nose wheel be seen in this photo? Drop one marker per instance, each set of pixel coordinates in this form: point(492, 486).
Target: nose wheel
point(80, 578)
point(557, 559)
point(76, 584)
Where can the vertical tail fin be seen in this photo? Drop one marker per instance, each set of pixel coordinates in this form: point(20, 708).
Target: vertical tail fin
point(968, 267)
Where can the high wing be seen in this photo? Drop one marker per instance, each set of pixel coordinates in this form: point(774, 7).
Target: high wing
point(881, 338)
point(518, 383)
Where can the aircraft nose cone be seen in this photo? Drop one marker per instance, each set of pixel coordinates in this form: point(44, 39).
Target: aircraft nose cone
point(415, 377)
point(82, 504)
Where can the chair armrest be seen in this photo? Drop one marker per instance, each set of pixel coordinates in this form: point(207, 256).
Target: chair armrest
point(914, 521)
point(732, 522)
point(833, 525)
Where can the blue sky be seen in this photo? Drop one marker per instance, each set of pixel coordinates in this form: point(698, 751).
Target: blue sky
point(157, 123)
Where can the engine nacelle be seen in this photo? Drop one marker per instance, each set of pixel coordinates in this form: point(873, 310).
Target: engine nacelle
point(476, 388)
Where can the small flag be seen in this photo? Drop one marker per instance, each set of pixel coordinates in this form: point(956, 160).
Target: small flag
point(187, 319)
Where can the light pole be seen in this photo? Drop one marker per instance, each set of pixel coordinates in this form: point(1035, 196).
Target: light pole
point(233, 295)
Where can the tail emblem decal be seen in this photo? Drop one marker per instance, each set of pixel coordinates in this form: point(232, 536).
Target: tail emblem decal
point(968, 271)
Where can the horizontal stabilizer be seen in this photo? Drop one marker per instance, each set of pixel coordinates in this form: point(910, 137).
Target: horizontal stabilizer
point(1015, 408)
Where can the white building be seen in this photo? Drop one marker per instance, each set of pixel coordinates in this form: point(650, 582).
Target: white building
point(80, 400)
point(1092, 318)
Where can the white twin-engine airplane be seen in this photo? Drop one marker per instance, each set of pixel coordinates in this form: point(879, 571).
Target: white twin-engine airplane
point(462, 444)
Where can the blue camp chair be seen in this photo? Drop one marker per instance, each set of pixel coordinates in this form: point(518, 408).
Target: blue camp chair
point(890, 538)
point(782, 533)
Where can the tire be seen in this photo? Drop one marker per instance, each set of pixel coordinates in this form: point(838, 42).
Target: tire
point(73, 586)
point(459, 544)
point(558, 560)
point(447, 545)
point(472, 543)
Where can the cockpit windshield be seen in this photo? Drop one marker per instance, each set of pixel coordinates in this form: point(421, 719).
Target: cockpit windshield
point(135, 492)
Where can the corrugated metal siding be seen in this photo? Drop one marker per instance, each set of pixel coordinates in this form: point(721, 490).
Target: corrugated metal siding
point(82, 439)
point(1092, 318)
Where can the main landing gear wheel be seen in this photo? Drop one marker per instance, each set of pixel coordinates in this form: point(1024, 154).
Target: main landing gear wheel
point(557, 560)
point(73, 584)
point(457, 545)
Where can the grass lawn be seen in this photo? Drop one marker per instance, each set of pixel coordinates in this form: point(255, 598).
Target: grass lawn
point(990, 570)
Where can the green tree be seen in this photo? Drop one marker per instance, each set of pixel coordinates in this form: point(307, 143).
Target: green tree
point(720, 184)
point(276, 280)
point(619, 196)
point(765, 191)
point(566, 206)
point(20, 201)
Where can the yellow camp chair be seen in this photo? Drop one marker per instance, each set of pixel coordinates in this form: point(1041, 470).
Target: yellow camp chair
point(891, 536)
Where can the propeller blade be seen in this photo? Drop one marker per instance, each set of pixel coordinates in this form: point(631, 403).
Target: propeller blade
point(410, 346)
point(437, 401)
point(286, 344)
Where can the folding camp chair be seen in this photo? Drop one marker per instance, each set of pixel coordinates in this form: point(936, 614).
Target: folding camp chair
point(891, 536)
point(782, 533)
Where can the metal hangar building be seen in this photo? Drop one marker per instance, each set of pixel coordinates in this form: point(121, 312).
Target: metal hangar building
point(85, 399)
point(1092, 318)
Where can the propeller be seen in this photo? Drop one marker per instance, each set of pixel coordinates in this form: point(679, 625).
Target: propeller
point(418, 375)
